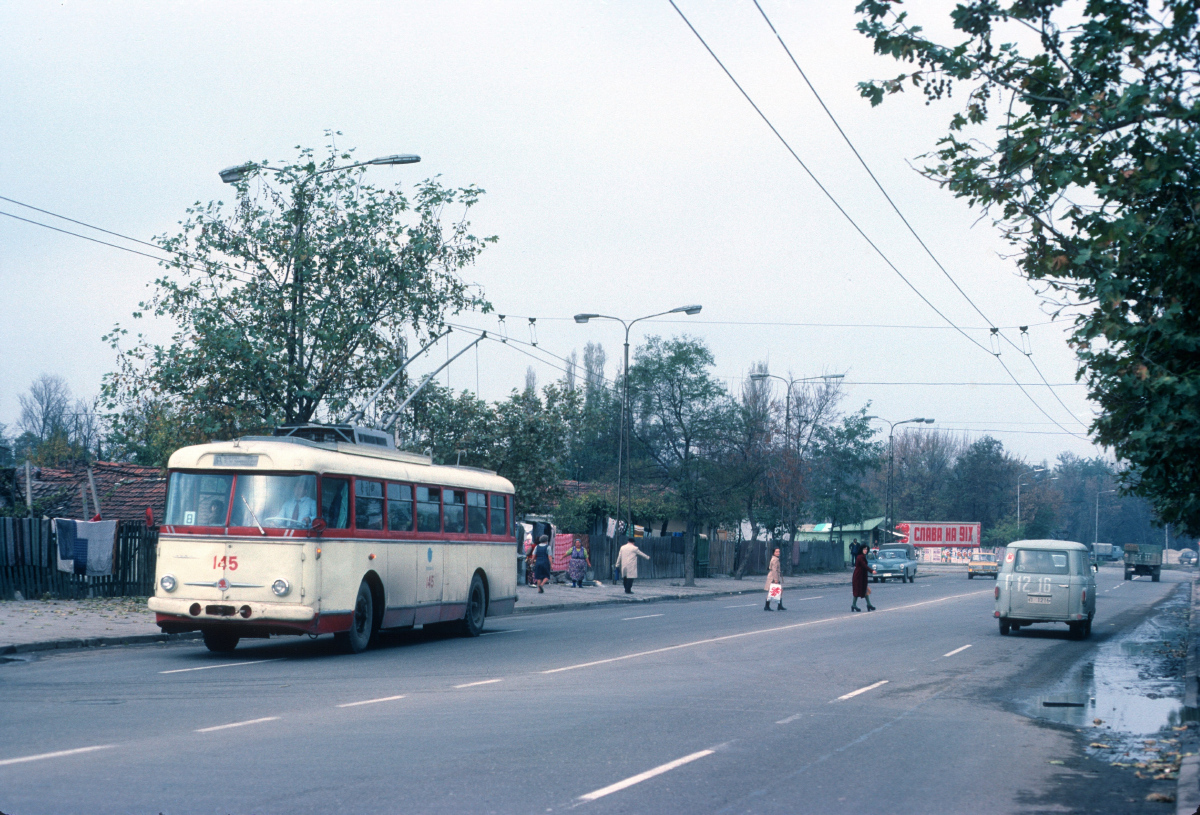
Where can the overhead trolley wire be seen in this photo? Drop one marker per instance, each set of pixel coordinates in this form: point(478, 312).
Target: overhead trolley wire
point(851, 220)
point(900, 214)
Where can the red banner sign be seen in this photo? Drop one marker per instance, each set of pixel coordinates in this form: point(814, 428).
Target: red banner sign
point(929, 533)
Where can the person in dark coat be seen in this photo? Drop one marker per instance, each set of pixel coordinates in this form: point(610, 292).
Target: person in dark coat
point(541, 563)
point(858, 582)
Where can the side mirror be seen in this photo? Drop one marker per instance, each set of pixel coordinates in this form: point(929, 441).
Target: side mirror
point(318, 526)
point(149, 518)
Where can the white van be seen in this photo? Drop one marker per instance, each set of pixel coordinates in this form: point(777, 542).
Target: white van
point(1046, 581)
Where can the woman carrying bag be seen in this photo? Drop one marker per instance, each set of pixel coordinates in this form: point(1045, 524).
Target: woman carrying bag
point(774, 585)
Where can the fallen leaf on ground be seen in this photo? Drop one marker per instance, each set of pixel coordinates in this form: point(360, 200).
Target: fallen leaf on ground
point(1161, 797)
point(1098, 745)
point(1054, 761)
point(1097, 721)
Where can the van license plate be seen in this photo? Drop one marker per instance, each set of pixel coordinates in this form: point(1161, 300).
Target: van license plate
point(1039, 599)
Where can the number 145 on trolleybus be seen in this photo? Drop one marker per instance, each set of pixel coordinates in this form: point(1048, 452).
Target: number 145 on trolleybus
point(328, 530)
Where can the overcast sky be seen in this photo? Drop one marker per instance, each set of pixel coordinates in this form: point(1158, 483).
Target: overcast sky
point(625, 174)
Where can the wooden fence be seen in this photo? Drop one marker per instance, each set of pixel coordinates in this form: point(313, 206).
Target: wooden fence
point(29, 563)
point(809, 556)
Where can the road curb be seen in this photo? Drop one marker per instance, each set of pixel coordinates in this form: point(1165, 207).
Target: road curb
point(94, 642)
point(659, 598)
point(1187, 786)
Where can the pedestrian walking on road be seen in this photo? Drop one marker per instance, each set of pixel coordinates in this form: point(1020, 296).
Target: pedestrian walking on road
point(541, 563)
point(858, 582)
point(578, 565)
point(627, 559)
point(773, 581)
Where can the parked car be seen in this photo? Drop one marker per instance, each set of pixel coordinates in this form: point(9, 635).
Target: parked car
point(891, 562)
point(1187, 557)
point(983, 563)
point(1046, 581)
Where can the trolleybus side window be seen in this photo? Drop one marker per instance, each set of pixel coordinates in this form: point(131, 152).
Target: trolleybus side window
point(198, 499)
point(499, 522)
point(335, 502)
point(400, 507)
point(368, 505)
point(429, 509)
point(477, 513)
point(454, 510)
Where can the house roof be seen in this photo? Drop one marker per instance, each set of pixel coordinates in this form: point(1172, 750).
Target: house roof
point(125, 490)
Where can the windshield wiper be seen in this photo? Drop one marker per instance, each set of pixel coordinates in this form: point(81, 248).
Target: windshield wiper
point(253, 516)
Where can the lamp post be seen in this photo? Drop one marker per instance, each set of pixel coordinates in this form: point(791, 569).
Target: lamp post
point(887, 522)
point(1096, 538)
point(622, 453)
point(239, 173)
point(787, 421)
point(1019, 477)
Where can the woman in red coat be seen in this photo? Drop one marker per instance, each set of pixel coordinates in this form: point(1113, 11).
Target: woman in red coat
point(859, 581)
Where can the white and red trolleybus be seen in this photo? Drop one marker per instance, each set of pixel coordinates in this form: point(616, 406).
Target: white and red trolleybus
point(327, 530)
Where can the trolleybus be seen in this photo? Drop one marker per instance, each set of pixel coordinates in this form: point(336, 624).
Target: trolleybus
point(328, 530)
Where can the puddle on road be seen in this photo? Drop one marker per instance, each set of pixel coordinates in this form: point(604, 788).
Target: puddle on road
point(1135, 683)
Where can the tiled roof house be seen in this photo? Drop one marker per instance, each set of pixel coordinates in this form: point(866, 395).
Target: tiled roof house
point(125, 490)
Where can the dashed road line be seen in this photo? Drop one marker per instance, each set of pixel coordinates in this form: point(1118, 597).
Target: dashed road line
point(818, 597)
point(372, 701)
point(756, 632)
point(854, 693)
point(504, 631)
point(643, 617)
point(222, 665)
point(640, 777)
point(956, 651)
point(55, 754)
point(238, 724)
point(743, 605)
point(790, 719)
point(474, 684)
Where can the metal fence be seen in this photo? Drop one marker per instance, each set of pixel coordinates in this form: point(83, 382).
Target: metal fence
point(29, 563)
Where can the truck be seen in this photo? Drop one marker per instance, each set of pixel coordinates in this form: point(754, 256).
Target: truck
point(1143, 558)
point(1103, 551)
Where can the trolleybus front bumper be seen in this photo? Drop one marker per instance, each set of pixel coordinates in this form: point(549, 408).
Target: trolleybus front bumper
point(183, 614)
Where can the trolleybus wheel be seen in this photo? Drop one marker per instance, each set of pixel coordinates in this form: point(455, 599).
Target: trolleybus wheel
point(220, 642)
point(472, 624)
point(362, 623)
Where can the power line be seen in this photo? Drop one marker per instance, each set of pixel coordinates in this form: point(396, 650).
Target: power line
point(900, 214)
point(793, 324)
point(847, 216)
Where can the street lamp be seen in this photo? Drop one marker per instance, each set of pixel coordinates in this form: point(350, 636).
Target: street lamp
point(621, 443)
point(239, 173)
point(887, 521)
point(787, 421)
point(1096, 538)
point(1019, 477)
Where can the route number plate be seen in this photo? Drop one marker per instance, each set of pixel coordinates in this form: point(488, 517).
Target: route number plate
point(1043, 600)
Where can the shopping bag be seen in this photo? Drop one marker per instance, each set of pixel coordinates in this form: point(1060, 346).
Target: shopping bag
point(775, 592)
point(868, 591)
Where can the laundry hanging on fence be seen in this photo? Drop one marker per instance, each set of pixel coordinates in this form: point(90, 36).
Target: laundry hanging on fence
point(86, 547)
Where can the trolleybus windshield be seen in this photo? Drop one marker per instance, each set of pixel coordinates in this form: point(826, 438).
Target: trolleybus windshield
point(270, 501)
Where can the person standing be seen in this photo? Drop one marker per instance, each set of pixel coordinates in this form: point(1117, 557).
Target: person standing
point(773, 578)
point(578, 565)
point(541, 563)
point(627, 559)
point(858, 581)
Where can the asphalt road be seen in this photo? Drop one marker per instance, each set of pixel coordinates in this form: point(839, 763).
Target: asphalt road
point(703, 706)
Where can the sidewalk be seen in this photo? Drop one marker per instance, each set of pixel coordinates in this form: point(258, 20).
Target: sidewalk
point(39, 625)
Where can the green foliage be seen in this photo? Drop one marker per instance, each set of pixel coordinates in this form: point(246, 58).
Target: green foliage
point(843, 454)
point(291, 304)
point(1092, 174)
point(530, 444)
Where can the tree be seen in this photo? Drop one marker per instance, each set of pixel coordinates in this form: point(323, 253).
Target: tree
point(752, 454)
point(55, 431)
point(295, 302)
point(530, 443)
point(682, 417)
point(843, 455)
point(1092, 175)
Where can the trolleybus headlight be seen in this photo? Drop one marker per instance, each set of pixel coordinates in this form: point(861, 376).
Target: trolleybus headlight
point(167, 581)
point(281, 587)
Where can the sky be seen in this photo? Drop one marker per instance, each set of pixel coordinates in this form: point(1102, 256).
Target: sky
point(625, 175)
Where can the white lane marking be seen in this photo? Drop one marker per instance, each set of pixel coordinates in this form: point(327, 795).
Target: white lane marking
point(237, 724)
point(757, 632)
point(473, 684)
point(373, 701)
point(505, 631)
point(643, 617)
point(818, 597)
point(56, 754)
point(222, 665)
point(640, 777)
point(956, 651)
point(743, 605)
point(854, 693)
point(790, 719)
